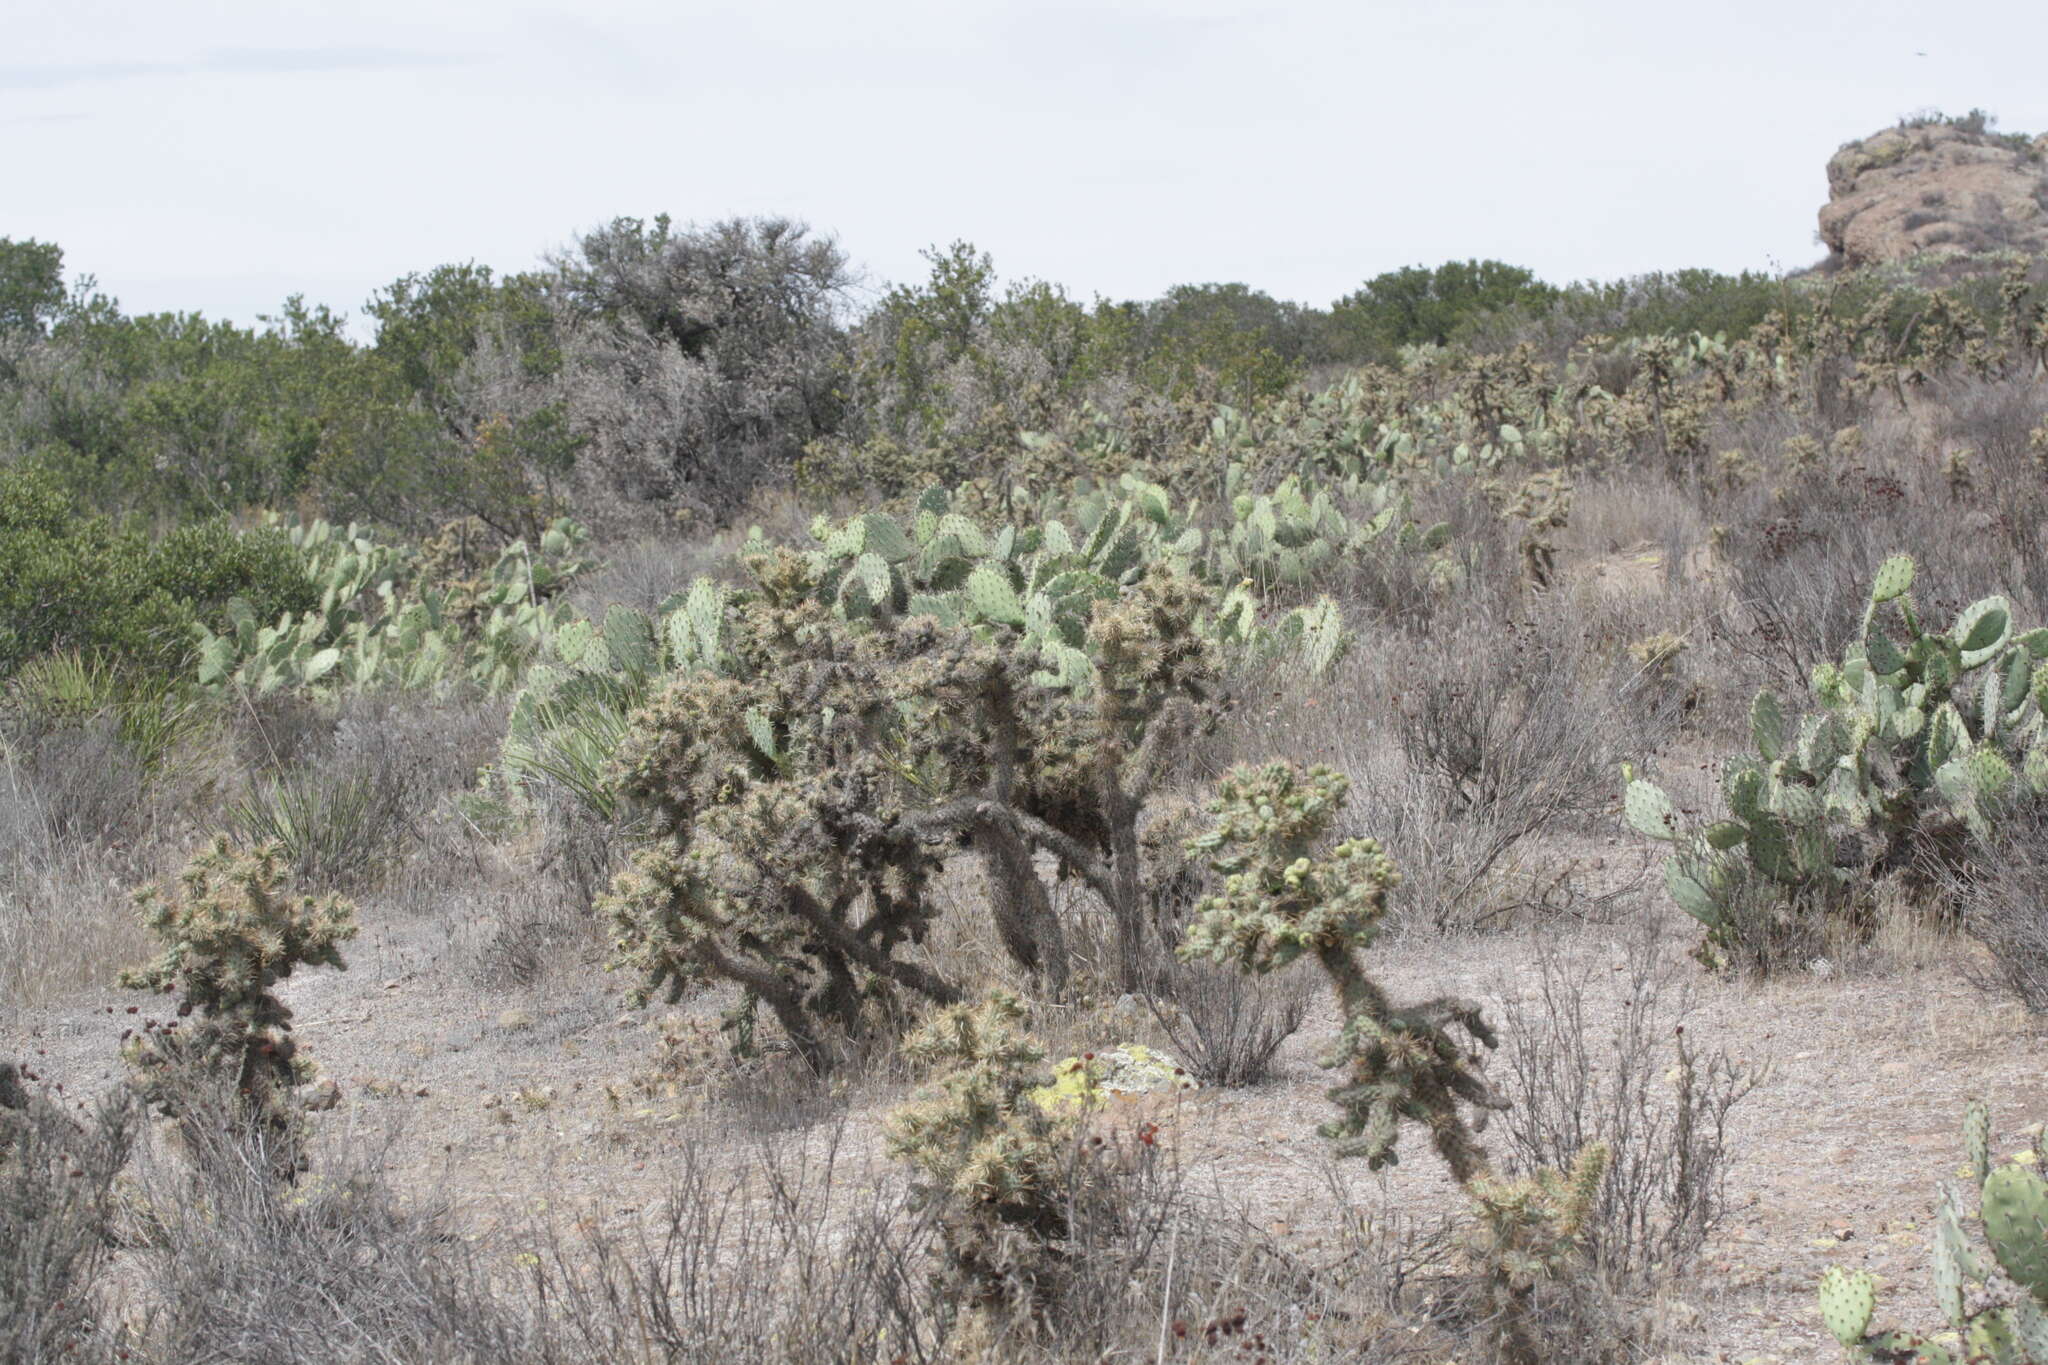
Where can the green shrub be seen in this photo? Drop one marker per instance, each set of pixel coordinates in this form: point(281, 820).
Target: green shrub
point(74, 582)
point(69, 581)
point(208, 563)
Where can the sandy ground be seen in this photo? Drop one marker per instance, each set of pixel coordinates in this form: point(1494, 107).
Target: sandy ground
point(521, 1102)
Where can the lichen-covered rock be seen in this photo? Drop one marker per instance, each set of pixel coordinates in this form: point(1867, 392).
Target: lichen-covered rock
point(1094, 1079)
point(1936, 187)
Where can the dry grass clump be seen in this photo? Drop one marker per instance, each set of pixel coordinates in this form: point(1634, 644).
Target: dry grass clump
point(235, 1265)
point(57, 1177)
point(1478, 751)
point(1224, 1026)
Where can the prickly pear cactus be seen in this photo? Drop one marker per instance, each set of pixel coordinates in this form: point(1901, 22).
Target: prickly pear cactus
point(1918, 739)
point(1988, 1323)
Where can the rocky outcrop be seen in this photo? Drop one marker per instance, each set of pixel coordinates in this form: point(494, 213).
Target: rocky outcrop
point(1940, 186)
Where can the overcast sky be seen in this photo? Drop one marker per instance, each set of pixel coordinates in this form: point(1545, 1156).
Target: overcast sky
point(219, 156)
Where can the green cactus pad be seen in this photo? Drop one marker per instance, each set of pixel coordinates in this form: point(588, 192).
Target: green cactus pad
point(885, 538)
point(957, 535)
point(989, 592)
point(943, 607)
point(1691, 895)
point(1770, 847)
point(1800, 806)
point(1848, 1298)
point(2016, 1225)
point(761, 731)
point(1990, 1338)
point(1893, 579)
point(1065, 667)
point(1725, 834)
point(1884, 656)
point(1767, 725)
point(1911, 1348)
point(1977, 1140)
point(1743, 785)
point(1951, 1253)
point(1990, 776)
point(2030, 1325)
point(576, 645)
point(1982, 630)
point(871, 572)
point(629, 640)
point(1649, 811)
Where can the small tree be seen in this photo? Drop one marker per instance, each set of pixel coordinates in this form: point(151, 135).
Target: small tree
point(31, 285)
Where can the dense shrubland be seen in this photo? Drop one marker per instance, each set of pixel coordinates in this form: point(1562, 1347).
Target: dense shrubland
point(901, 682)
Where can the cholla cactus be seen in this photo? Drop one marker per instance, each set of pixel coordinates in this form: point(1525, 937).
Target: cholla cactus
point(1007, 1171)
point(1281, 901)
point(1543, 504)
point(1992, 1324)
point(786, 862)
point(230, 935)
point(1531, 1231)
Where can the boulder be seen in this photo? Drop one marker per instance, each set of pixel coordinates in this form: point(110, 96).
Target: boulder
point(1936, 187)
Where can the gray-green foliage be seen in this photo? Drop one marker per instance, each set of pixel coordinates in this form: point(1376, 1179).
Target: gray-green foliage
point(1035, 587)
point(1044, 578)
point(1997, 1307)
point(371, 630)
point(1288, 538)
point(569, 720)
point(1917, 739)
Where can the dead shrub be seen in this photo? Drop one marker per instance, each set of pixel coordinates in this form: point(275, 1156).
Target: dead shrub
point(56, 1210)
point(1999, 898)
point(1224, 1025)
point(1658, 1099)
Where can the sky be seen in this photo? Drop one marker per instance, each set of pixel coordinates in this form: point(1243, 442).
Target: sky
point(219, 156)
